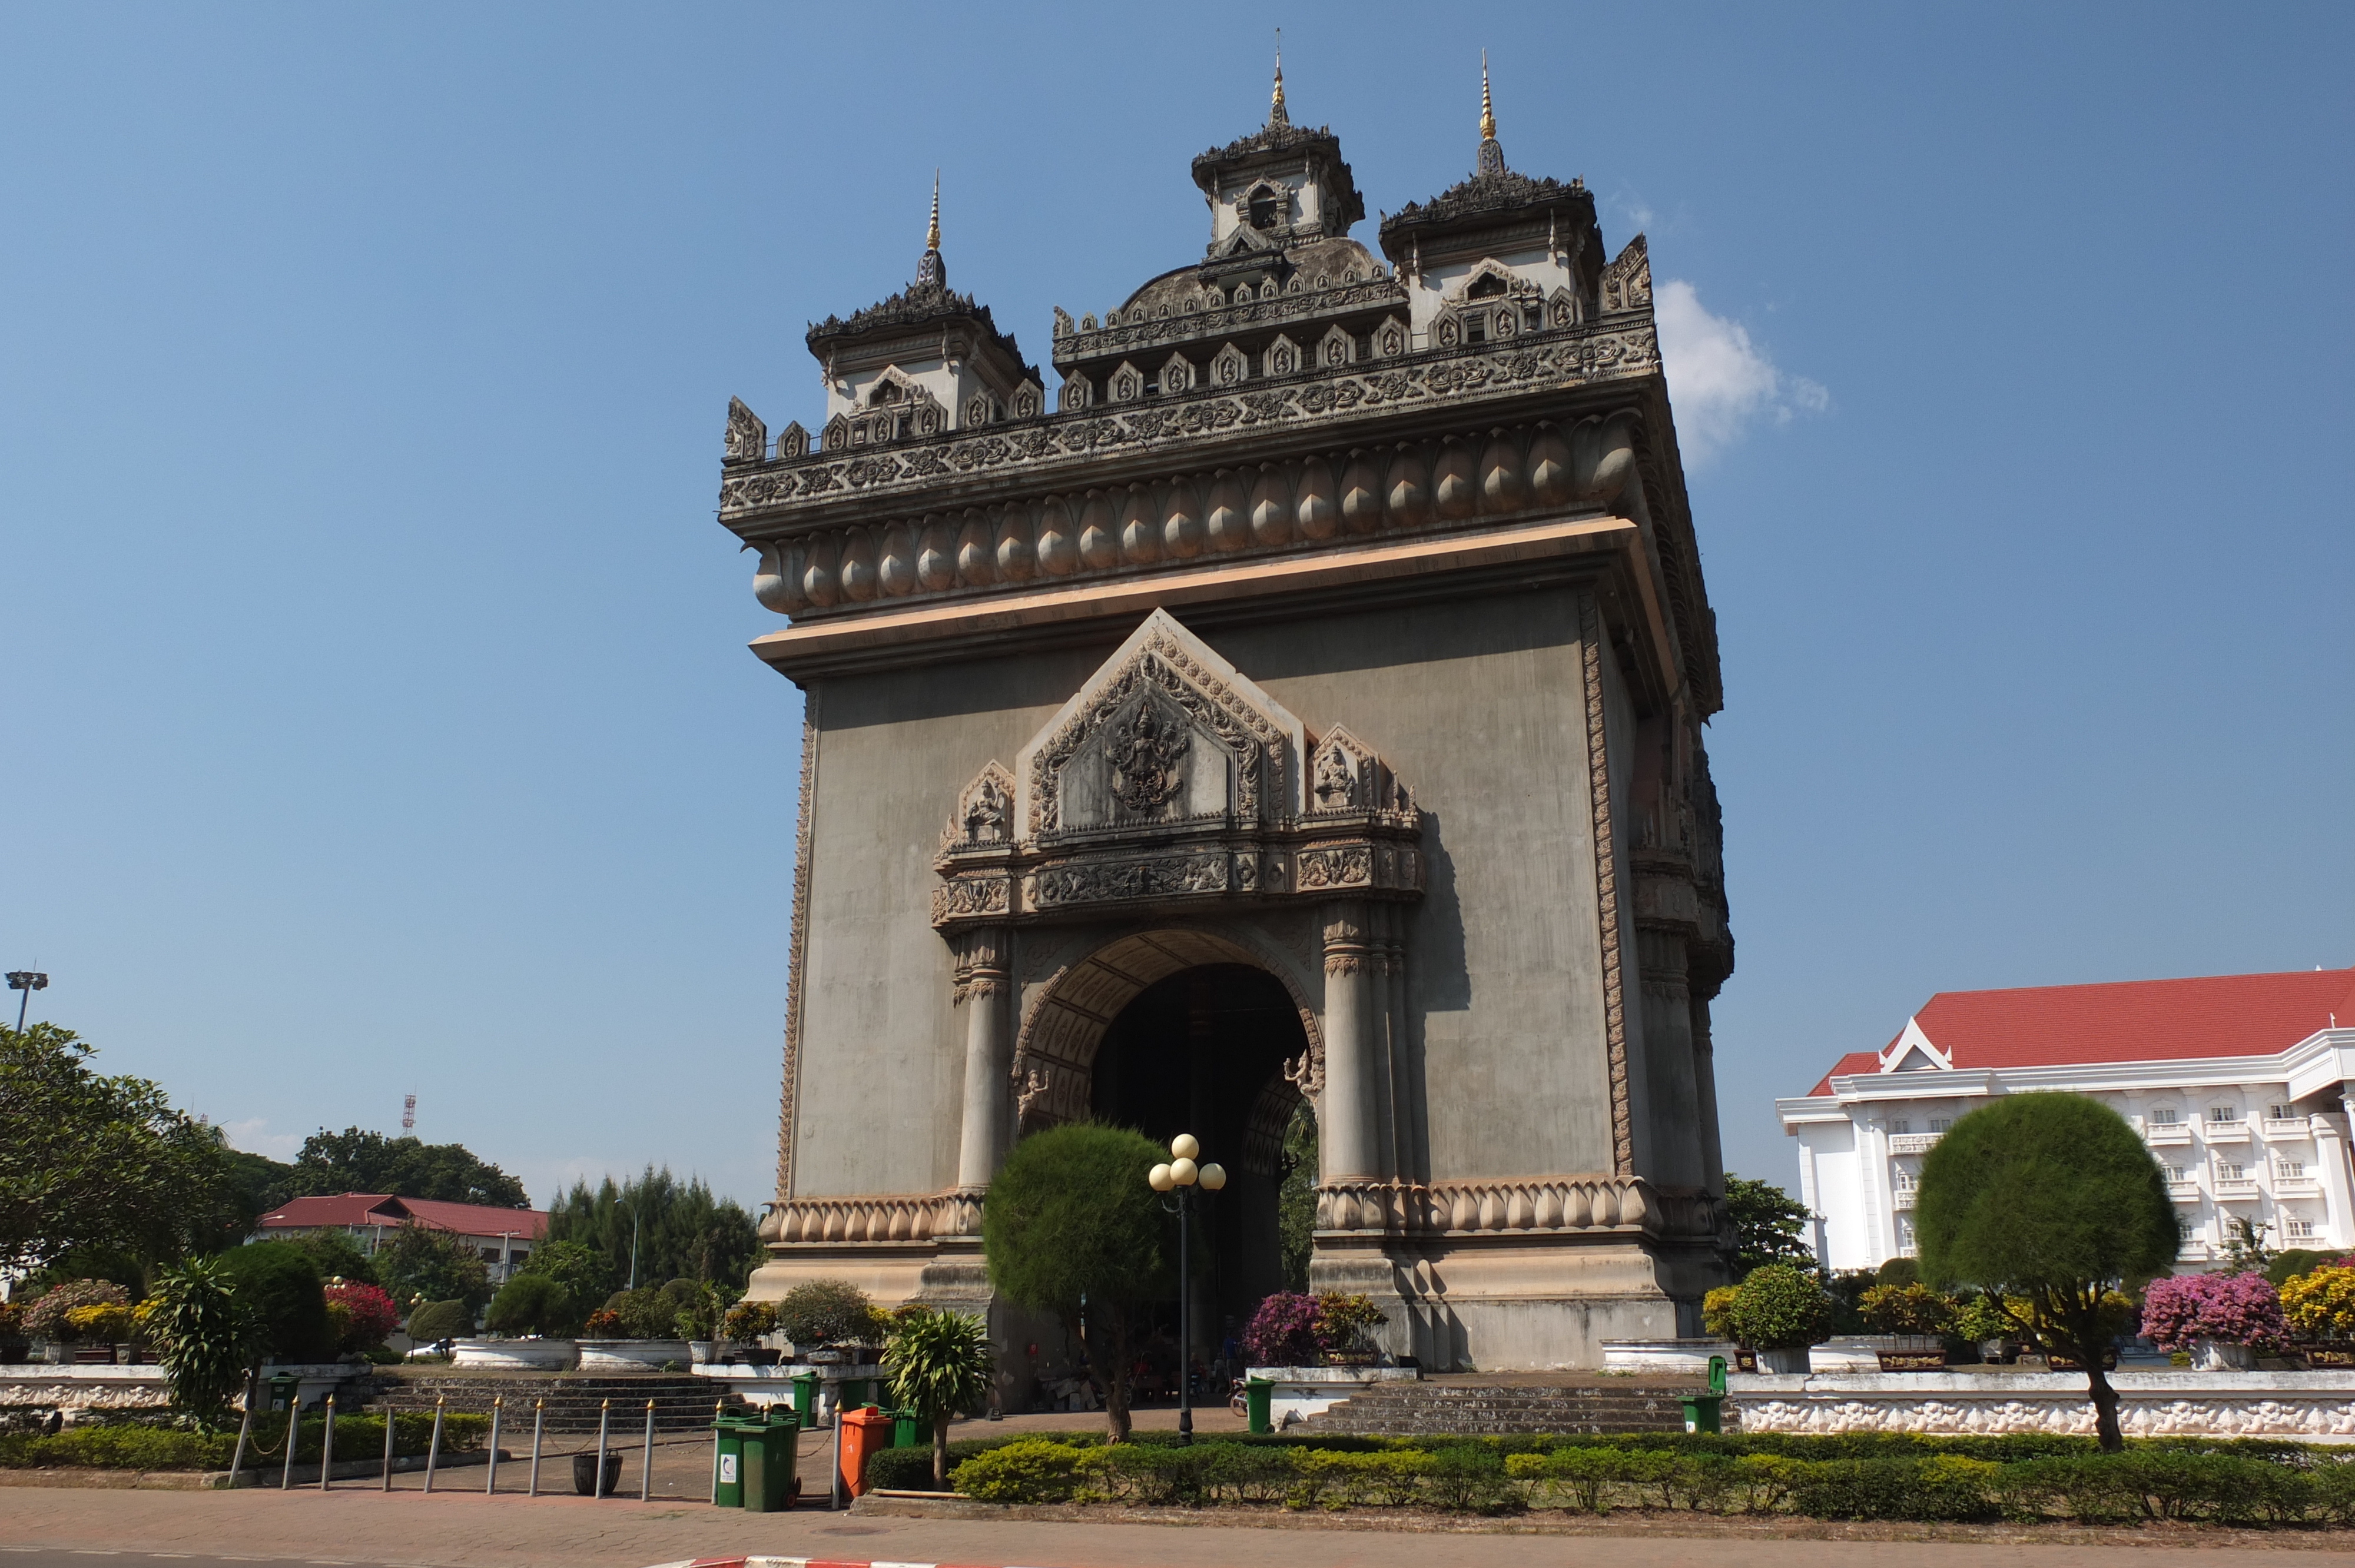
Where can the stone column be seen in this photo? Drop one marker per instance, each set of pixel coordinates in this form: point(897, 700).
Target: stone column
point(984, 990)
point(1346, 1137)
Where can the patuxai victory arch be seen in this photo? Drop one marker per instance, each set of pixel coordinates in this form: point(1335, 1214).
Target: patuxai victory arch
point(1301, 702)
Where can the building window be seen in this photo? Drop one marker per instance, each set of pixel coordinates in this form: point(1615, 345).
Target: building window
point(1476, 328)
point(1941, 1124)
point(2298, 1230)
point(2176, 1173)
point(2295, 1170)
point(2238, 1229)
point(2228, 1171)
point(1904, 1179)
point(2162, 1116)
point(2281, 1113)
point(1900, 1125)
point(2224, 1113)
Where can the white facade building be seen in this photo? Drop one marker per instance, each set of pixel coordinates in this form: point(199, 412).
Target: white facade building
point(2240, 1084)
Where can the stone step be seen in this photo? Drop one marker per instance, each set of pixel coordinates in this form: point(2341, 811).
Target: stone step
point(569, 1403)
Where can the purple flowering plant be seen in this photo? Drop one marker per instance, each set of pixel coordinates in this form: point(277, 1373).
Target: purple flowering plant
point(2231, 1309)
point(1283, 1332)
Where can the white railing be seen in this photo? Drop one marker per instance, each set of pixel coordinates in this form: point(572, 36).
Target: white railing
point(2236, 1187)
point(2225, 1131)
point(1913, 1142)
point(2183, 1192)
point(1904, 1198)
point(2162, 1132)
point(2289, 1126)
point(2192, 1252)
point(2296, 1186)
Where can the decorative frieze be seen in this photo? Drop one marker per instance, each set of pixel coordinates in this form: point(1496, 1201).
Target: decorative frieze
point(1532, 1204)
point(867, 1220)
point(1208, 314)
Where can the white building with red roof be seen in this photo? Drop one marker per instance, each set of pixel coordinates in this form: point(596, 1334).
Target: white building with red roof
point(503, 1237)
point(2239, 1083)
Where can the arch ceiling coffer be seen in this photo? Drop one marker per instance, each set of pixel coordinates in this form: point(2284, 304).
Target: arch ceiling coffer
point(1171, 778)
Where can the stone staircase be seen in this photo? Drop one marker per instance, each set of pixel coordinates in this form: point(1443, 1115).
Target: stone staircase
point(1470, 1405)
point(682, 1403)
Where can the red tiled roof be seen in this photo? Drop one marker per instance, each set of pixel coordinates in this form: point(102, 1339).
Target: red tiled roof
point(382, 1209)
point(2130, 1020)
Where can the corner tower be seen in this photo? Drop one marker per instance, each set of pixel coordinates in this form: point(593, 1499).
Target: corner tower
point(1304, 717)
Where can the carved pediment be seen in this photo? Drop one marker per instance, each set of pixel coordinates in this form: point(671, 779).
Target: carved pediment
point(984, 813)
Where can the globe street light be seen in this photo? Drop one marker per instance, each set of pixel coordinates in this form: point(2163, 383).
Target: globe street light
point(28, 982)
point(1181, 1175)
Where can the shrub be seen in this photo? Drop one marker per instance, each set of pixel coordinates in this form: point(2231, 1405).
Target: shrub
point(1716, 1311)
point(2234, 1308)
point(206, 1339)
point(604, 1324)
point(1032, 1470)
point(1343, 1321)
point(48, 1317)
point(364, 1315)
point(1913, 1309)
point(1897, 1271)
point(439, 1320)
point(829, 1312)
point(1579, 1478)
point(279, 1284)
point(2321, 1301)
point(108, 1324)
point(1283, 1332)
point(941, 1365)
point(532, 1304)
point(643, 1314)
point(141, 1446)
point(749, 1320)
point(1943, 1487)
point(1779, 1307)
point(575, 1266)
point(2289, 1263)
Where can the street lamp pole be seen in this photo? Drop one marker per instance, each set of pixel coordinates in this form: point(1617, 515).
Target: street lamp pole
point(1181, 1175)
point(27, 981)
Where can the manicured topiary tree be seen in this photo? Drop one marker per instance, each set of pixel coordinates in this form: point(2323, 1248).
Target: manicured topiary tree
point(533, 1304)
point(820, 1312)
point(941, 1365)
point(279, 1284)
point(1072, 1227)
point(2051, 1200)
point(1779, 1307)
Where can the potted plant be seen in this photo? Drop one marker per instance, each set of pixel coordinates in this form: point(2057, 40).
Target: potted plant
point(1916, 1318)
point(647, 1319)
point(2222, 1319)
point(49, 1317)
point(826, 1318)
point(1782, 1310)
point(746, 1324)
point(1345, 1326)
point(1283, 1332)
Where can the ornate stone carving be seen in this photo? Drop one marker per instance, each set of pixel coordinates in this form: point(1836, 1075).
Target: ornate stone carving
point(1606, 887)
point(748, 438)
point(1538, 1204)
point(1305, 1072)
point(1148, 755)
point(797, 948)
point(1627, 282)
point(984, 813)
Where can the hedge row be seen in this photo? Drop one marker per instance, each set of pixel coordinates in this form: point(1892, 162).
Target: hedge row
point(129, 1447)
point(2222, 1483)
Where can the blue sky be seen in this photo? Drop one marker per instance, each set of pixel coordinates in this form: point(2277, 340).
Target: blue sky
point(379, 715)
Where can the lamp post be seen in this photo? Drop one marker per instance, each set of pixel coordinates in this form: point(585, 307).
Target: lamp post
point(28, 982)
point(1180, 1176)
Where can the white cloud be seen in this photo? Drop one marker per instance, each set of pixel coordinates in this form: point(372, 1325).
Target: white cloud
point(1721, 382)
point(251, 1137)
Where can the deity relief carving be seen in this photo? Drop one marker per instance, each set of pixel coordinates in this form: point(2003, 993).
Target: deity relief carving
point(1147, 756)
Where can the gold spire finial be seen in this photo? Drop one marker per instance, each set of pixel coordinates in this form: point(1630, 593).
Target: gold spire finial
point(1487, 112)
point(932, 235)
point(1276, 111)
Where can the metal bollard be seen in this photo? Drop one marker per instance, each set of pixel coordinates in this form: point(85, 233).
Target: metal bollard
point(539, 1423)
point(391, 1420)
point(646, 1466)
point(833, 1498)
point(604, 1418)
point(294, 1431)
point(719, 1407)
point(434, 1444)
point(491, 1480)
point(327, 1444)
point(244, 1429)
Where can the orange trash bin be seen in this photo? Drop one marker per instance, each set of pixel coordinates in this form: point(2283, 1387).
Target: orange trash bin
point(863, 1431)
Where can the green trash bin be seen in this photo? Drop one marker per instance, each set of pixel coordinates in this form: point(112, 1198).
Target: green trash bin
point(285, 1391)
point(771, 1449)
point(1257, 1392)
point(1705, 1412)
point(805, 1399)
point(907, 1429)
point(728, 1460)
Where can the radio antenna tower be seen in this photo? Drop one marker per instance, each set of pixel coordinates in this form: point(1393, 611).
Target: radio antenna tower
point(409, 1113)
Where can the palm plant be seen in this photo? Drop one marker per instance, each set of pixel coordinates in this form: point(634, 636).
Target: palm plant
point(209, 1339)
point(941, 1364)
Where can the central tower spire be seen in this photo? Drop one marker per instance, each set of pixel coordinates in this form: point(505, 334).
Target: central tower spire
point(1492, 154)
point(931, 268)
point(1275, 110)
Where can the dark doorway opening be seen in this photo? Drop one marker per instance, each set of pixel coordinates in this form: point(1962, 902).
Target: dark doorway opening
point(1205, 1052)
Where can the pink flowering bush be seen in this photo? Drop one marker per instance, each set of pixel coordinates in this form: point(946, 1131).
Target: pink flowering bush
point(2231, 1309)
point(1283, 1332)
point(45, 1318)
point(364, 1317)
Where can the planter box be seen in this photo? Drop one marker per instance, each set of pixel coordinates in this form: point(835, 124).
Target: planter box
point(2214, 1355)
point(516, 1355)
point(1302, 1392)
point(634, 1355)
point(1786, 1360)
point(1688, 1358)
point(2334, 1357)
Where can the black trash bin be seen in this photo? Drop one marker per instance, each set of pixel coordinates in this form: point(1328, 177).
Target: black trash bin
point(584, 1472)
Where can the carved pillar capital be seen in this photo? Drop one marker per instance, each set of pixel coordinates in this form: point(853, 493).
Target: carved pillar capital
point(1348, 948)
point(984, 965)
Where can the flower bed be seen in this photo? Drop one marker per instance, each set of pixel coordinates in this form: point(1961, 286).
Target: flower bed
point(1857, 1476)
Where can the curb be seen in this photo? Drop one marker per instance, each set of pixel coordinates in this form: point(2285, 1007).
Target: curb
point(804, 1563)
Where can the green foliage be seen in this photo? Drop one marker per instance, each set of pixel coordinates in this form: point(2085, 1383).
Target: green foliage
point(681, 1231)
point(2051, 1198)
point(1897, 1271)
point(206, 1341)
point(580, 1268)
point(1769, 1225)
point(818, 1312)
point(337, 1255)
point(1717, 1310)
point(2288, 1266)
point(1295, 1196)
point(1031, 1470)
point(941, 1365)
point(1913, 1308)
point(147, 1447)
point(1071, 1228)
point(358, 1160)
point(277, 1285)
point(749, 1320)
point(682, 1309)
point(418, 1262)
point(435, 1322)
point(533, 1304)
point(1778, 1308)
point(89, 1161)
